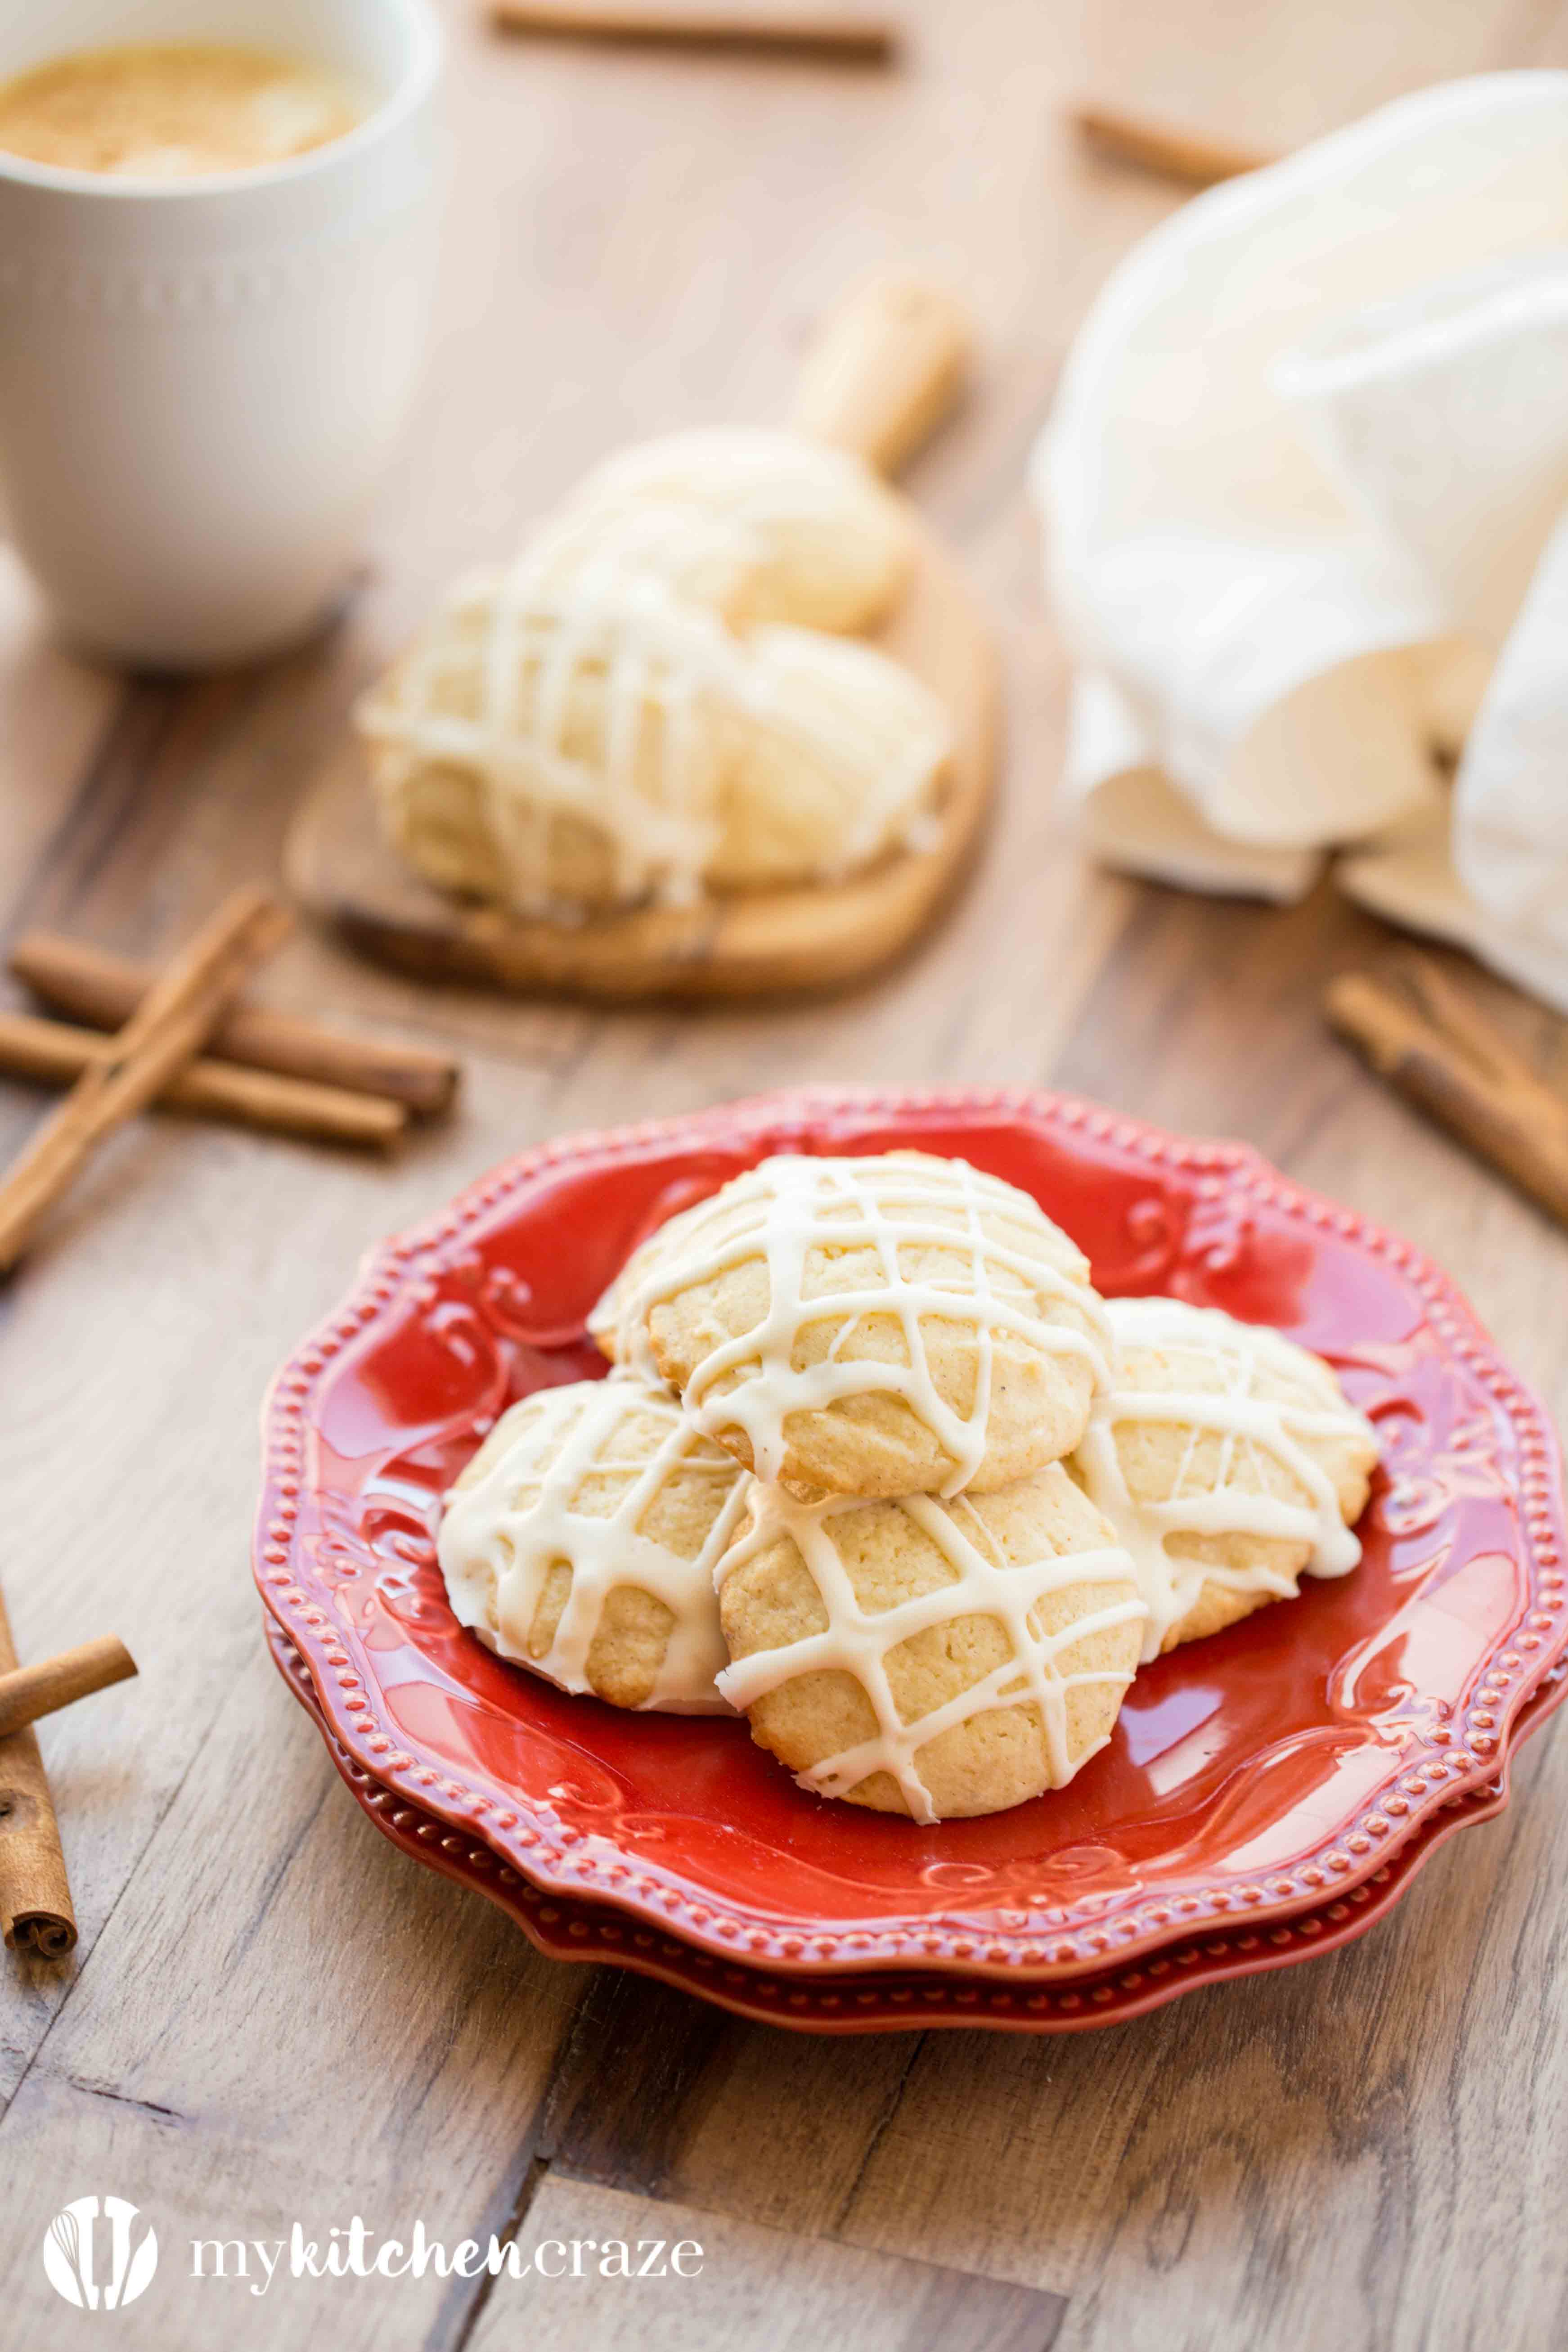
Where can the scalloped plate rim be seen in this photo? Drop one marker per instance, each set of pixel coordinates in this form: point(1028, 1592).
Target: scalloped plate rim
point(1466, 1810)
point(394, 1260)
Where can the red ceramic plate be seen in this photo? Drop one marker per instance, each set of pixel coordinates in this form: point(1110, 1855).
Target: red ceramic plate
point(1252, 1778)
point(894, 2001)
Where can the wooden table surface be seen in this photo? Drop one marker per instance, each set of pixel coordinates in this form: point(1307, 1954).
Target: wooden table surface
point(271, 2015)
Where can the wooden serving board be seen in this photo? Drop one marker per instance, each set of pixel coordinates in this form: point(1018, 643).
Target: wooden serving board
point(877, 381)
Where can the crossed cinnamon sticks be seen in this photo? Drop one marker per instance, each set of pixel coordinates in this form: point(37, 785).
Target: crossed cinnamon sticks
point(36, 1912)
point(193, 1048)
point(104, 989)
point(270, 1070)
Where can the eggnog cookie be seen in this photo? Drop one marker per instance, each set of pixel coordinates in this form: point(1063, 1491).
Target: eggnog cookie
point(892, 1325)
point(565, 746)
point(927, 1657)
point(581, 1541)
point(764, 526)
point(1227, 1460)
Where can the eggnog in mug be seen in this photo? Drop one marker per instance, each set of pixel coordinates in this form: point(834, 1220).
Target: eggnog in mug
point(170, 110)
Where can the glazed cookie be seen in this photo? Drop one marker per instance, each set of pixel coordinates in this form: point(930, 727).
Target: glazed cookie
point(927, 1657)
point(766, 526)
point(893, 1325)
point(563, 745)
point(1227, 1460)
point(581, 1541)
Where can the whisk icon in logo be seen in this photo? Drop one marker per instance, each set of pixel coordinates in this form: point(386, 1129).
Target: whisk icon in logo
point(100, 2253)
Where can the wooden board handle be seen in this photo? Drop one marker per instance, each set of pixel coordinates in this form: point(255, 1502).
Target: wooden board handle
point(885, 369)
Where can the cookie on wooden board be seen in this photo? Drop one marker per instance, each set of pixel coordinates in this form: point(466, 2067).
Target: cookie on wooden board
point(567, 746)
point(764, 526)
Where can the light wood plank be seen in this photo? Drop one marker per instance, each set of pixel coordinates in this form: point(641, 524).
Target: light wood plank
point(53, 712)
point(1549, 46)
point(120, 1500)
point(296, 2026)
point(738, 2284)
point(271, 2013)
point(651, 2089)
point(1277, 77)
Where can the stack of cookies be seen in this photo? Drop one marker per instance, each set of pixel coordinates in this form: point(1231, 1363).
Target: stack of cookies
point(878, 1467)
point(666, 696)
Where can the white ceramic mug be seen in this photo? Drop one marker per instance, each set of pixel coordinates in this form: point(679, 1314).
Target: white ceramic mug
point(201, 380)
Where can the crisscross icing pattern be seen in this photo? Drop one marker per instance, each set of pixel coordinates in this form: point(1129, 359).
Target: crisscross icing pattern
point(667, 670)
point(858, 1641)
point(596, 602)
point(893, 1203)
point(1254, 1430)
point(524, 1513)
point(372, 1353)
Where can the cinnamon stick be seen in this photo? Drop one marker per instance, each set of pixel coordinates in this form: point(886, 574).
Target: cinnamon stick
point(1192, 157)
point(161, 1035)
point(36, 1912)
point(1433, 1045)
point(104, 989)
point(57, 1053)
point(28, 1692)
point(849, 34)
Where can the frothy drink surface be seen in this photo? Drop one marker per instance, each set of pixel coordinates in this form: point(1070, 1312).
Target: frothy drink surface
point(169, 112)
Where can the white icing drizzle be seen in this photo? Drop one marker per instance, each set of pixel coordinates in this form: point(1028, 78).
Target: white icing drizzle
point(682, 699)
point(889, 1203)
point(492, 1547)
point(1250, 1426)
point(857, 1640)
point(665, 670)
point(612, 590)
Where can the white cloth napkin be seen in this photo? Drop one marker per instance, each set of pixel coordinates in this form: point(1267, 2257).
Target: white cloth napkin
point(1304, 489)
